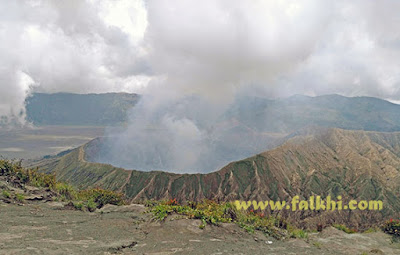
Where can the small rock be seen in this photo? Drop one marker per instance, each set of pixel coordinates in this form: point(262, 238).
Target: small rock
point(215, 240)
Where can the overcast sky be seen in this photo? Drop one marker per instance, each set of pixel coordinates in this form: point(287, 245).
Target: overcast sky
point(214, 48)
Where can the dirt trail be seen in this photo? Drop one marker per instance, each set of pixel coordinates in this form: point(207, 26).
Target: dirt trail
point(46, 228)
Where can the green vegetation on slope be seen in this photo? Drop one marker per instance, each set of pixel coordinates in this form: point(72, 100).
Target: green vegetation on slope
point(87, 198)
point(213, 213)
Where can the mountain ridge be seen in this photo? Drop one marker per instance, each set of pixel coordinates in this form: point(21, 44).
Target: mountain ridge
point(262, 114)
point(361, 165)
point(298, 111)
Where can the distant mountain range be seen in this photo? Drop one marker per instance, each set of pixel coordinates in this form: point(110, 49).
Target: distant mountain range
point(290, 114)
point(317, 161)
point(79, 109)
point(255, 113)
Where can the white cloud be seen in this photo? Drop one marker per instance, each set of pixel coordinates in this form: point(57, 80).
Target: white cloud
point(68, 46)
point(362, 44)
point(215, 47)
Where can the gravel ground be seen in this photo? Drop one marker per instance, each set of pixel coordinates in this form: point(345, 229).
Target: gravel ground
point(47, 228)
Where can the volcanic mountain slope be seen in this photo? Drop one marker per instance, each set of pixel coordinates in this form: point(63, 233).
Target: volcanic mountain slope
point(353, 164)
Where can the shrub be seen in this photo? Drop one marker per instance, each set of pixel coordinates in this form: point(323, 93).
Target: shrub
point(210, 212)
point(29, 176)
point(392, 227)
point(371, 230)
point(66, 191)
point(6, 194)
point(269, 225)
point(161, 211)
point(7, 168)
point(102, 197)
point(78, 205)
point(91, 205)
point(41, 179)
point(150, 203)
point(299, 233)
point(20, 197)
point(207, 211)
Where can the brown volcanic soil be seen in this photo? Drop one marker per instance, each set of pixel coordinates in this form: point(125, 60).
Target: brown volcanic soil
point(44, 228)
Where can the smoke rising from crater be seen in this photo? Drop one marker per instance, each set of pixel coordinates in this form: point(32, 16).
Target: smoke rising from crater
point(204, 55)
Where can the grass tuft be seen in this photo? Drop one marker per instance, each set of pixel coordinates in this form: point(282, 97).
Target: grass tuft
point(344, 228)
point(299, 233)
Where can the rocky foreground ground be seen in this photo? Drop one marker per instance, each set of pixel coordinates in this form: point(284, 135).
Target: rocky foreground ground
point(32, 222)
point(48, 228)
